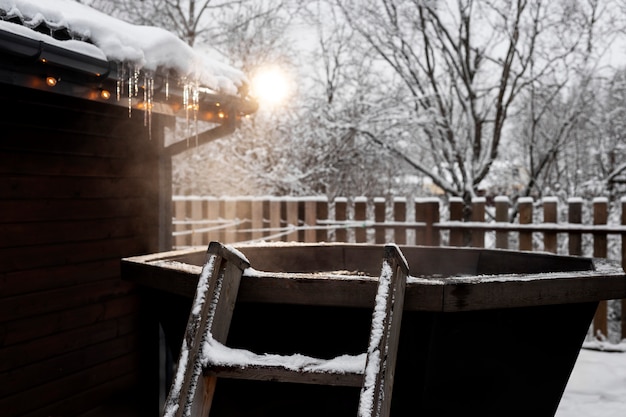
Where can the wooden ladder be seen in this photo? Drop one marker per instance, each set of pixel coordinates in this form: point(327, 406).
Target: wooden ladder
point(204, 357)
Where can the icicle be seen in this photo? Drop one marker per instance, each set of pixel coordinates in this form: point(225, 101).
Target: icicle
point(119, 85)
point(136, 80)
point(186, 106)
point(167, 86)
point(150, 103)
point(145, 99)
point(130, 95)
point(196, 106)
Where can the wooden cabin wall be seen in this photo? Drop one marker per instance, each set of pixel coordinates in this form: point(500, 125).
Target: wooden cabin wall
point(81, 187)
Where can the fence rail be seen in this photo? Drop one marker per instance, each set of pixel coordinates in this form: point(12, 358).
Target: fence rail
point(576, 227)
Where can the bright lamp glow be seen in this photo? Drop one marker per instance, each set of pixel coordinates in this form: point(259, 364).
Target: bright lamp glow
point(270, 85)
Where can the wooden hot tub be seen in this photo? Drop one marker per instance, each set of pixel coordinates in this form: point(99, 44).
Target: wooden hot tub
point(484, 332)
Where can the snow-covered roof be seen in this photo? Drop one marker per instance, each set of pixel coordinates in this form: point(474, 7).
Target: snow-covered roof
point(79, 28)
point(92, 52)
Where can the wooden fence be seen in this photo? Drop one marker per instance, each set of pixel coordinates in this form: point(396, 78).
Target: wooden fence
point(589, 228)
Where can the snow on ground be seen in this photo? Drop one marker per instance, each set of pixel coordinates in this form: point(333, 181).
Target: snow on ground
point(597, 386)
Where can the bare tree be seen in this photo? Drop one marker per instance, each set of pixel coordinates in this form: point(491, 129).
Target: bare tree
point(465, 64)
point(558, 108)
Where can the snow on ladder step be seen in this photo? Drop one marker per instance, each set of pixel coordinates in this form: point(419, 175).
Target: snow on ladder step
point(204, 357)
point(225, 362)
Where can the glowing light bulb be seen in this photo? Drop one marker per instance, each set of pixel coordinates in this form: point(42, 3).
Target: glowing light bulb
point(105, 94)
point(51, 81)
point(270, 85)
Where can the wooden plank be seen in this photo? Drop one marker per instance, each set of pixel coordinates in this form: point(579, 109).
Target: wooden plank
point(574, 216)
point(623, 326)
point(66, 231)
point(341, 214)
point(478, 216)
point(322, 214)
point(550, 213)
point(17, 211)
point(33, 399)
point(66, 364)
point(380, 366)
point(57, 276)
point(502, 215)
point(360, 216)
point(282, 374)
point(45, 302)
point(525, 208)
point(196, 214)
point(427, 211)
point(600, 216)
point(456, 214)
point(256, 219)
point(24, 258)
point(211, 313)
point(430, 293)
point(84, 402)
point(275, 218)
point(106, 142)
point(310, 220)
point(35, 187)
point(244, 214)
point(380, 214)
point(23, 330)
point(516, 291)
point(291, 218)
point(399, 215)
point(23, 163)
point(17, 356)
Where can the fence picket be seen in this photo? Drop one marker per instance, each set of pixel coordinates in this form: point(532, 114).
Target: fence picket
point(600, 217)
point(623, 312)
point(502, 216)
point(550, 210)
point(456, 214)
point(380, 214)
point(360, 215)
point(575, 216)
point(478, 215)
point(525, 207)
point(341, 214)
point(427, 211)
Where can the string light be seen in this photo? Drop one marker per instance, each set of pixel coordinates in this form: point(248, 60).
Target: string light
point(51, 81)
point(105, 94)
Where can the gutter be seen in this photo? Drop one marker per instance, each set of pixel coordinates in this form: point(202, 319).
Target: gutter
point(26, 62)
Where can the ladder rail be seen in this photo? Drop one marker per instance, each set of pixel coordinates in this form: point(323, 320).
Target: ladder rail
point(376, 392)
point(191, 392)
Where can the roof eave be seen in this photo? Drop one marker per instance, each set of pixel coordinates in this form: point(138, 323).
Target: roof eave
point(29, 61)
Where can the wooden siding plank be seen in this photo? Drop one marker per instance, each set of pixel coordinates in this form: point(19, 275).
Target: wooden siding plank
point(67, 231)
point(23, 330)
point(34, 257)
point(77, 402)
point(18, 211)
point(18, 356)
point(46, 302)
point(57, 276)
point(22, 187)
point(29, 163)
point(67, 364)
point(29, 400)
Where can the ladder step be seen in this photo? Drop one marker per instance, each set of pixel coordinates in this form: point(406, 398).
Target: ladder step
point(281, 374)
point(226, 362)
